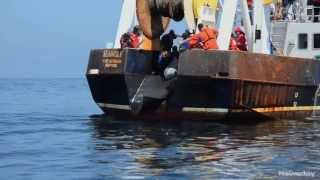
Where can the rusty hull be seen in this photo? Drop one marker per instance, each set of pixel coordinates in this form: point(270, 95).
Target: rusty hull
point(258, 80)
point(241, 82)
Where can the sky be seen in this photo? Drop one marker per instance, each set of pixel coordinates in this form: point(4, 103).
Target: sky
point(53, 38)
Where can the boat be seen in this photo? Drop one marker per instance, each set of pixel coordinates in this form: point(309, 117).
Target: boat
point(262, 83)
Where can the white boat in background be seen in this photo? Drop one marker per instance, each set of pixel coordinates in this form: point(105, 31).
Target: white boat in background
point(298, 36)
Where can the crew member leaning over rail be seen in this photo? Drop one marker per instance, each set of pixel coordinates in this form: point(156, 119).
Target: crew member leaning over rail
point(205, 39)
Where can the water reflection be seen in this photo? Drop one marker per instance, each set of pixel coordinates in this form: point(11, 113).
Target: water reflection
point(220, 150)
point(164, 145)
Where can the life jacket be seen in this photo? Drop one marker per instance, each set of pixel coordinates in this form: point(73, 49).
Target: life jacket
point(194, 41)
point(135, 41)
point(208, 37)
point(233, 45)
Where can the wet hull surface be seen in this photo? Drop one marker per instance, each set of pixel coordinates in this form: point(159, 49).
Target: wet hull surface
point(210, 85)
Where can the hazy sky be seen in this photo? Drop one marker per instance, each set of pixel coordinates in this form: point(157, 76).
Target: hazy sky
point(52, 38)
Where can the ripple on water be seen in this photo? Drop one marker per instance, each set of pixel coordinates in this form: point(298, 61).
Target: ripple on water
point(239, 155)
point(56, 137)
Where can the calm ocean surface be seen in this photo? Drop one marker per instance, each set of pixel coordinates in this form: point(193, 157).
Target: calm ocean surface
point(51, 129)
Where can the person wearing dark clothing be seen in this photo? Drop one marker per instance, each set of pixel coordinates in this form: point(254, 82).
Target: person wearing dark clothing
point(175, 52)
point(184, 44)
point(167, 40)
point(164, 60)
point(186, 34)
point(170, 67)
point(131, 39)
point(125, 41)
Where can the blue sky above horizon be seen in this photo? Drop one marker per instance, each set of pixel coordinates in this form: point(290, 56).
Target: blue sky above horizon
point(45, 38)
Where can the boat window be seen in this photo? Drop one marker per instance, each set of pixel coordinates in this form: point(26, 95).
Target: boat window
point(309, 12)
point(303, 41)
point(316, 41)
point(316, 11)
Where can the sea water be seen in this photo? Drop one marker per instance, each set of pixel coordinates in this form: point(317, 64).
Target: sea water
point(51, 129)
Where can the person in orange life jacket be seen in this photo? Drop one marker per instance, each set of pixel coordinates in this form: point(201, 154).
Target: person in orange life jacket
point(189, 40)
point(208, 37)
point(241, 39)
point(194, 41)
point(233, 43)
point(135, 37)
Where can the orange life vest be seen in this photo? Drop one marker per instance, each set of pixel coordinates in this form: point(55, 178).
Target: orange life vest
point(194, 41)
point(208, 37)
